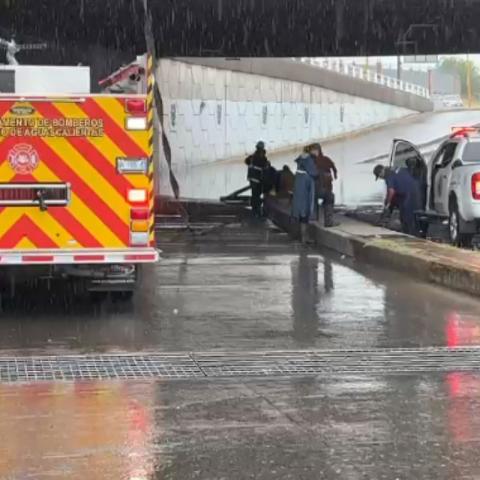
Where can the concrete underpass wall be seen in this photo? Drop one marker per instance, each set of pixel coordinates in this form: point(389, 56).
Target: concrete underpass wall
point(213, 114)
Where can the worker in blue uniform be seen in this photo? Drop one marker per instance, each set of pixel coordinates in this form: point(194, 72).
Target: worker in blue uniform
point(303, 203)
point(403, 190)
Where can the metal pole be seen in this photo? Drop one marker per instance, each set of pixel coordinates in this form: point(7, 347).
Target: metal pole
point(469, 81)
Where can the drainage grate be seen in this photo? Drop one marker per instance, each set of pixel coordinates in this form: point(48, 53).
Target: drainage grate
point(336, 362)
point(264, 364)
point(97, 367)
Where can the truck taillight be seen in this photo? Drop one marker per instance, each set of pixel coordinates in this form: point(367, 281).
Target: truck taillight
point(139, 227)
point(136, 123)
point(139, 214)
point(137, 114)
point(137, 195)
point(135, 106)
point(139, 239)
point(476, 186)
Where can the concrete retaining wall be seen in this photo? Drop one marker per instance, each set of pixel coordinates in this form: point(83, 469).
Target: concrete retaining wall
point(218, 111)
point(286, 69)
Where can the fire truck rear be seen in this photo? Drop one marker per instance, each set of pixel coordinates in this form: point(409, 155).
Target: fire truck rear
point(76, 181)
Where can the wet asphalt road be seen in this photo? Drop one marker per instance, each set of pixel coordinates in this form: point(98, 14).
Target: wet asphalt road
point(367, 427)
point(239, 288)
point(245, 287)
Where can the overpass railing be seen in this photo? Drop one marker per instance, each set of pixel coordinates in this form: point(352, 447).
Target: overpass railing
point(367, 75)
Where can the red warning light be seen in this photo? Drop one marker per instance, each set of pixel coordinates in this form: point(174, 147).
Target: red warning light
point(458, 132)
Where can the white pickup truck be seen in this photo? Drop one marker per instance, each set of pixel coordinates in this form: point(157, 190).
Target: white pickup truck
point(450, 183)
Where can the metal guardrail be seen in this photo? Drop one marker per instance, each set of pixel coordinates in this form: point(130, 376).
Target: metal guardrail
point(366, 74)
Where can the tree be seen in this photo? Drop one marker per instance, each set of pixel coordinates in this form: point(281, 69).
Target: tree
point(461, 67)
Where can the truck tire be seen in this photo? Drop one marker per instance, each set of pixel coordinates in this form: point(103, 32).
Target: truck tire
point(457, 238)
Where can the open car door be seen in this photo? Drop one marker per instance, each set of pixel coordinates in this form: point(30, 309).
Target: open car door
point(406, 155)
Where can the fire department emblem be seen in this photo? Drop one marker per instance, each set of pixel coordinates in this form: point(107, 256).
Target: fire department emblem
point(23, 159)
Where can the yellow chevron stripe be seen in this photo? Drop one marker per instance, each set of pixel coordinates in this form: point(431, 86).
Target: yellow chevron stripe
point(115, 111)
point(83, 213)
point(9, 217)
point(6, 172)
point(89, 174)
point(111, 151)
point(51, 228)
point(77, 208)
point(104, 144)
point(25, 244)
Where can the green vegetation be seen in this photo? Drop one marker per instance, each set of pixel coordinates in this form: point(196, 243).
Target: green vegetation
point(463, 68)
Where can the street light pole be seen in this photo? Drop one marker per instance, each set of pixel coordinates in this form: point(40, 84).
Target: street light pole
point(469, 81)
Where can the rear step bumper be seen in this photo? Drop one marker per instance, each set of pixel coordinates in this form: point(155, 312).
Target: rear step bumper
point(83, 256)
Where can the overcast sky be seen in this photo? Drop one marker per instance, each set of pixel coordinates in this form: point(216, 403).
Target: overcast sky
point(392, 61)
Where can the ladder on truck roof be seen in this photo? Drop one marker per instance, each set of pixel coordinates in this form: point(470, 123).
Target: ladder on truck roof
point(129, 78)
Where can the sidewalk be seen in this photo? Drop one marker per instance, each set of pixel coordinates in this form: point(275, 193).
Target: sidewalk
point(435, 263)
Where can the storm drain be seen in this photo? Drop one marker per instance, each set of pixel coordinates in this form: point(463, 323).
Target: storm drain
point(265, 364)
point(101, 367)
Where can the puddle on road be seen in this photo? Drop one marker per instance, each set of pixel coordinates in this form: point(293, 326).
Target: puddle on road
point(248, 288)
point(382, 427)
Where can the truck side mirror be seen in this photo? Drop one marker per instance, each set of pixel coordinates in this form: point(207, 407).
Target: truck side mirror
point(457, 163)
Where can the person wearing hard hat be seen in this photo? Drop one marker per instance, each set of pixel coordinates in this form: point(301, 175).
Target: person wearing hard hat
point(257, 166)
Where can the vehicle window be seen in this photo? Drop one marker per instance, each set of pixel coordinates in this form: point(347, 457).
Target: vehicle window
point(471, 153)
point(439, 157)
point(448, 153)
point(404, 154)
point(445, 155)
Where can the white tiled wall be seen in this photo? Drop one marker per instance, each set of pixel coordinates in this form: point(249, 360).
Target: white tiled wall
point(220, 115)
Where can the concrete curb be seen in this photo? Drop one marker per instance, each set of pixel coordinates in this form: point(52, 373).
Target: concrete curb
point(434, 263)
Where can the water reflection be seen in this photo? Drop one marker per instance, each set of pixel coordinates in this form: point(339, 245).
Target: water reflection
point(463, 387)
point(97, 430)
point(263, 295)
point(462, 329)
point(464, 392)
point(306, 296)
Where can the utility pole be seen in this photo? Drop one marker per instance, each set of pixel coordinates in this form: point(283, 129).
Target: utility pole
point(399, 68)
point(469, 81)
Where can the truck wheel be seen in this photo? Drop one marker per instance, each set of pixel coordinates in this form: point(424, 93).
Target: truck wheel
point(457, 238)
